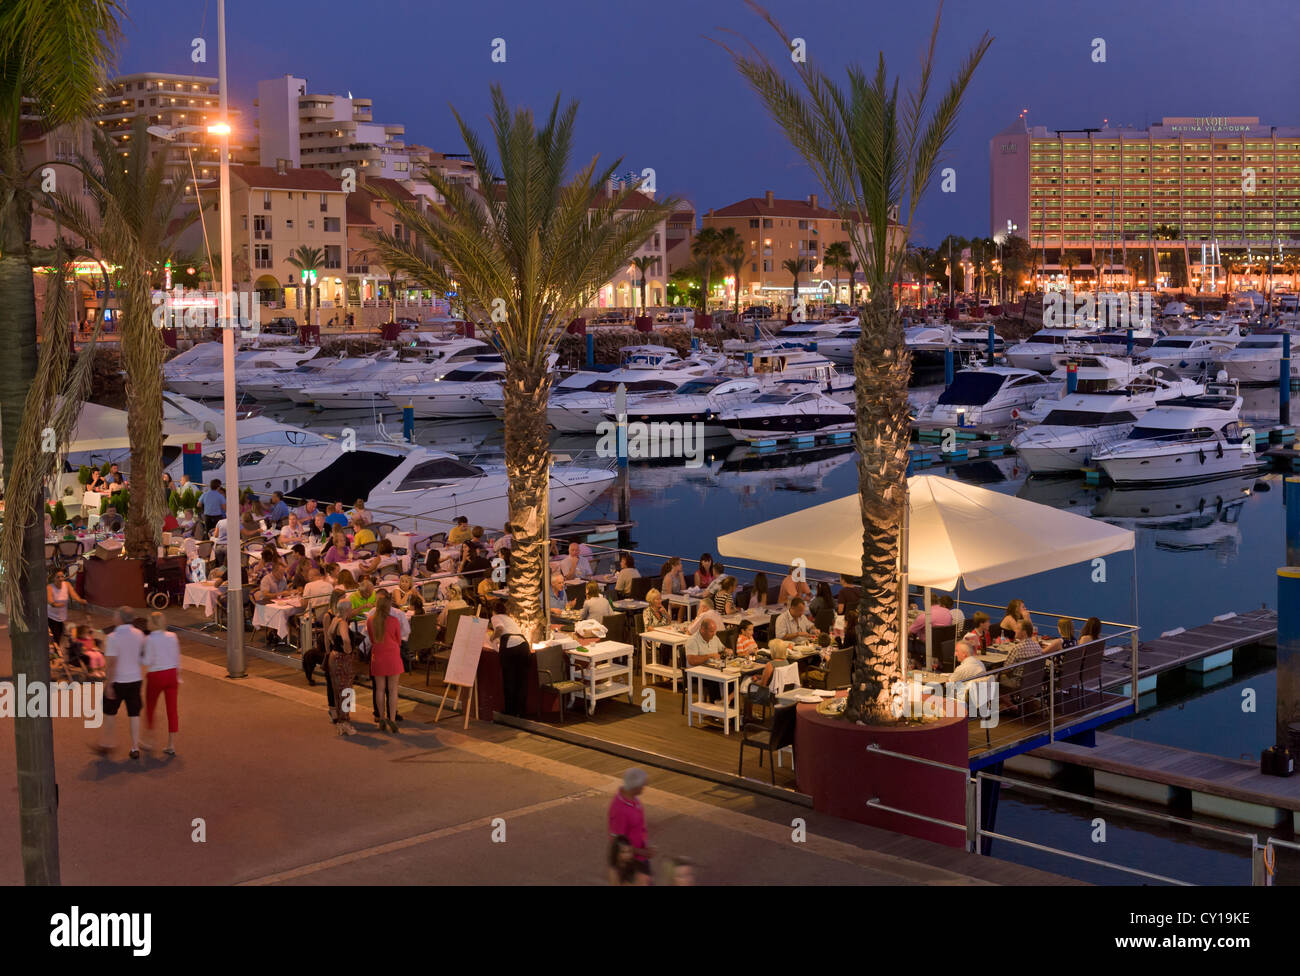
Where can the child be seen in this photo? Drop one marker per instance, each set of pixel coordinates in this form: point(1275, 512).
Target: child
point(85, 648)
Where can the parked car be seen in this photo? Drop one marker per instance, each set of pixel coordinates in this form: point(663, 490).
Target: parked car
point(281, 326)
point(758, 312)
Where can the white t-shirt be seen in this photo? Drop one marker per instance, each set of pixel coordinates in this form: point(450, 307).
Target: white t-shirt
point(317, 592)
point(162, 651)
point(126, 646)
point(60, 593)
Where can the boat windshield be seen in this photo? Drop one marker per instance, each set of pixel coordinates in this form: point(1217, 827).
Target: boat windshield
point(1167, 434)
point(470, 375)
point(1261, 342)
point(694, 387)
point(1087, 418)
point(972, 389)
point(1173, 344)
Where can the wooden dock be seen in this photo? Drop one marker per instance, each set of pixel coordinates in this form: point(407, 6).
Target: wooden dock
point(1228, 789)
point(1202, 648)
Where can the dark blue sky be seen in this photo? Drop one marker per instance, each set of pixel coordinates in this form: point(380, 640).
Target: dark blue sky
point(654, 90)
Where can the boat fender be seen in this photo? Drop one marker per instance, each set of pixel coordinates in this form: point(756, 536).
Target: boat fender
point(1015, 413)
point(1201, 452)
point(1220, 450)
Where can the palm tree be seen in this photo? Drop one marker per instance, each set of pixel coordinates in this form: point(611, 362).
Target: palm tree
point(837, 254)
point(308, 261)
point(731, 250)
point(525, 260)
point(645, 265)
point(851, 266)
point(1069, 261)
point(917, 262)
point(706, 249)
point(796, 267)
point(132, 227)
point(875, 157)
point(53, 56)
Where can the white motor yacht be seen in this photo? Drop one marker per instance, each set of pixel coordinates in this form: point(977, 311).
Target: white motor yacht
point(699, 401)
point(199, 372)
point(990, 395)
point(1181, 441)
point(455, 394)
point(372, 387)
point(1072, 428)
point(1038, 351)
point(422, 490)
point(1258, 357)
point(580, 401)
point(787, 412)
point(322, 369)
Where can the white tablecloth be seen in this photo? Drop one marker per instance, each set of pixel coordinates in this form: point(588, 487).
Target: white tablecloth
point(201, 595)
point(276, 616)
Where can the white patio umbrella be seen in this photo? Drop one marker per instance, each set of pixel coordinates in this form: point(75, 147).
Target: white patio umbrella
point(956, 533)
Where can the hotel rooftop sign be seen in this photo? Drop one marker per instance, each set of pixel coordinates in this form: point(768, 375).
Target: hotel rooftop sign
point(1212, 123)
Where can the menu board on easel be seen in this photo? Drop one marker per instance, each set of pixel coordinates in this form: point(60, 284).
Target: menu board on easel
point(462, 665)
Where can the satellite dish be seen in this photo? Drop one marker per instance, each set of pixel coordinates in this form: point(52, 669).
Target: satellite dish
point(210, 430)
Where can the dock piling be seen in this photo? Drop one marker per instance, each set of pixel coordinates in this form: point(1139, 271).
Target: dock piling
point(1291, 510)
point(591, 349)
point(408, 423)
point(947, 367)
point(993, 339)
point(1284, 381)
point(1288, 652)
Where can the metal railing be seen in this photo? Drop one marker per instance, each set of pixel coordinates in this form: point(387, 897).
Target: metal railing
point(1262, 857)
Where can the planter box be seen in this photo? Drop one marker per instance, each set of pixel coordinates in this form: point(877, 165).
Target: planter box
point(837, 771)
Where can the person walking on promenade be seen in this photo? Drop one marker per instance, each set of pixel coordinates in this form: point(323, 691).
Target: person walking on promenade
point(385, 626)
point(627, 817)
point(341, 662)
point(162, 662)
point(124, 654)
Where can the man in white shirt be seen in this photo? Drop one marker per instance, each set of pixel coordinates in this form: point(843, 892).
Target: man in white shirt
point(704, 644)
point(968, 682)
point(795, 622)
point(574, 565)
point(317, 590)
point(123, 676)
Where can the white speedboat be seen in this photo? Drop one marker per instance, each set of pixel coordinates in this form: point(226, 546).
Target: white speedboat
point(288, 385)
point(455, 394)
point(371, 387)
point(700, 401)
point(1192, 353)
point(990, 395)
point(580, 401)
point(421, 490)
point(1181, 441)
point(199, 371)
point(1077, 425)
point(772, 366)
point(787, 412)
point(1258, 357)
point(272, 456)
point(1037, 352)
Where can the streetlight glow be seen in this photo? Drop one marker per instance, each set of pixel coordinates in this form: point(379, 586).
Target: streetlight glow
point(219, 129)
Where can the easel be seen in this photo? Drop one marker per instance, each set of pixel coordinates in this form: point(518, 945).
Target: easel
point(471, 701)
point(462, 665)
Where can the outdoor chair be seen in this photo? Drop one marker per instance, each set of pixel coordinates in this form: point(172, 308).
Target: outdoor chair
point(1026, 690)
point(575, 593)
point(771, 735)
point(1090, 693)
point(381, 529)
point(838, 672)
point(615, 628)
point(641, 586)
point(553, 676)
point(70, 550)
point(1067, 667)
point(948, 656)
point(424, 635)
point(784, 678)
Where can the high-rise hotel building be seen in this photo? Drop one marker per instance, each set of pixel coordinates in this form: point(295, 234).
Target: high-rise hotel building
point(1176, 185)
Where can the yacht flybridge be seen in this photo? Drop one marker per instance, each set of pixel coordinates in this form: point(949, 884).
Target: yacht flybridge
point(1183, 440)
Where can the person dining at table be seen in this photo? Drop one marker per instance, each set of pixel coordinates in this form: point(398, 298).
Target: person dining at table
point(559, 596)
point(969, 668)
point(403, 591)
point(364, 596)
point(596, 606)
point(705, 574)
point(939, 616)
point(1016, 613)
point(292, 530)
point(336, 516)
point(316, 528)
point(1091, 630)
point(1066, 640)
point(655, 614)
point(316, 588)
point(342, 577)
point(704, 644)
point(575, 565)
point(360, 514)
point(724, 596)
point(307, 511)
point(1025, 645)
point(361, 532)
point(451, 601)
point(278, 511)
point(627, 572)
point(747, 647)
point(96, 482)
point(795, 622)
point(791, 588)
point(979, 633)
point(822, 601)
point(758, 592)
point(460, 531)
point(249, 529)
point(673, 581)
point(338, 550)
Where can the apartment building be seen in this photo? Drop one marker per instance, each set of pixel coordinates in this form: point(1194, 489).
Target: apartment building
point(775, 231)
point(274, 212)
point(368, 212)
point(1113, 197)
point(623, 290)
point(184, 104)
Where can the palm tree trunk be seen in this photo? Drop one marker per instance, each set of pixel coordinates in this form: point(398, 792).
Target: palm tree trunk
point(33, 737)
point(528, 465)
point(881, 365)
point(142, 359)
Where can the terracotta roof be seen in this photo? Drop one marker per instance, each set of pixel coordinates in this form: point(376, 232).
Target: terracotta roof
point(358, 210)
point(390, 186)
point(759, 207)
point(268, 178)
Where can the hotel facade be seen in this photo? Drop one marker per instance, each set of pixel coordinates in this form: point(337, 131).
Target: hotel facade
point(1121, 199)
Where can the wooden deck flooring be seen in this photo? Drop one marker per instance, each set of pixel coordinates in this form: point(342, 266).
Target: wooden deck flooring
point(1232, 779)
point(1166, 653)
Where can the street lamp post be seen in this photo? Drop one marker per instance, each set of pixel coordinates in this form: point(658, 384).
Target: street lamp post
point(234, 582)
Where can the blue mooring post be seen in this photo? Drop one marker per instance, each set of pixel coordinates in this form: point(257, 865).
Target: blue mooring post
point(757, 335)
point(591, 349)
point(1128, 347)
point(1291, 506)
point(1071, 377)
point(695, 344)
point(620, 415)
point(993, 344)
point(1288, 651)
point(947, 367)
point(1284, 382)
point(408, 423)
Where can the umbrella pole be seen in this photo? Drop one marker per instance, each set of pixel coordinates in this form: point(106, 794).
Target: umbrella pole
point(929, 634)
point(902, 587)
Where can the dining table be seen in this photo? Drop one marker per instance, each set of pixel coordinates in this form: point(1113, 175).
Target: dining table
point(204, 594)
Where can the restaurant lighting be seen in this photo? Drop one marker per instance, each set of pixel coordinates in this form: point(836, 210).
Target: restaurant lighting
point(219, 129)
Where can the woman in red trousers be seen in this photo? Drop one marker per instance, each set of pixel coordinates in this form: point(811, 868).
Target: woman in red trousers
point(162, 662)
